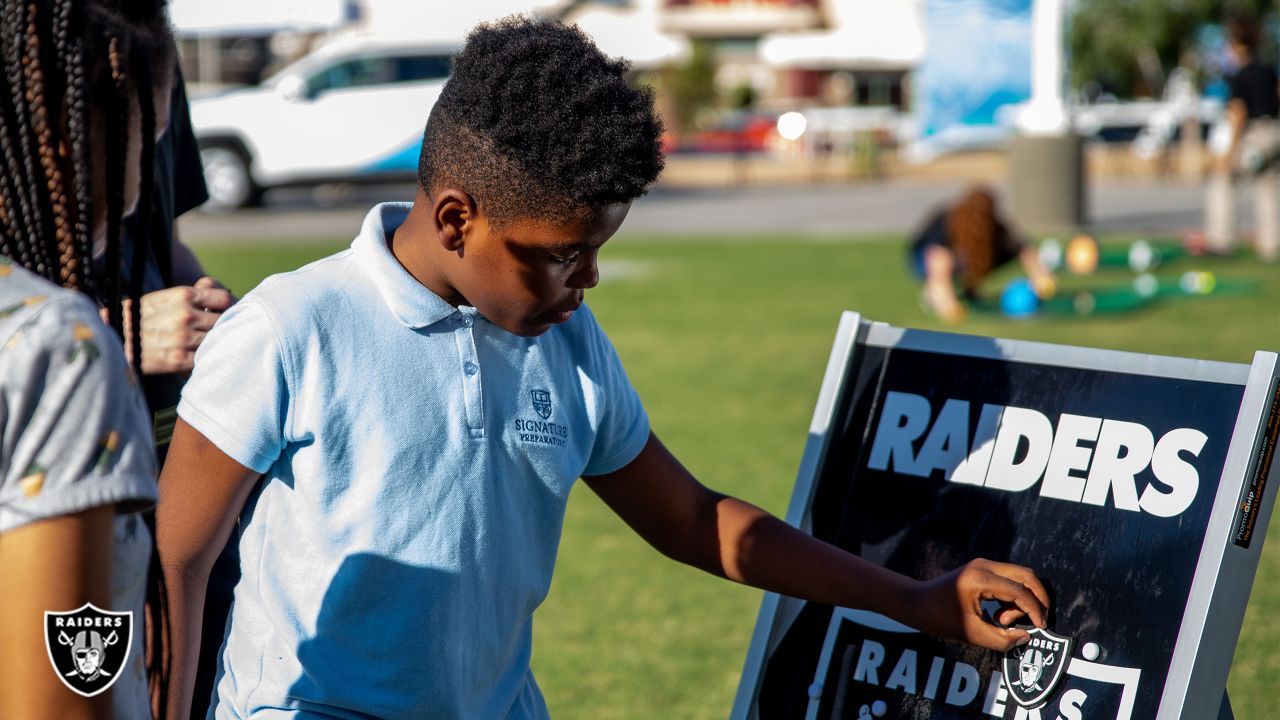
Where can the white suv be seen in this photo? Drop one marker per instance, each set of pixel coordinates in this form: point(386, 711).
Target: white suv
point(352, 111)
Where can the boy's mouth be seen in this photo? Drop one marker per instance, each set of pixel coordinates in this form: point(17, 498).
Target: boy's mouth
point(563, 314)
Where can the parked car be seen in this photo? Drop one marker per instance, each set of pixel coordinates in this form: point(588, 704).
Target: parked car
point(737, 131)
point(352, 111)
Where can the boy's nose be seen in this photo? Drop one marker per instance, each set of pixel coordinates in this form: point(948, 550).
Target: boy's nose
point(586, 277)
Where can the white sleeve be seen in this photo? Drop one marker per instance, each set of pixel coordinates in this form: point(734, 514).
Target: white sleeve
point(76, 432)
point(238, 394)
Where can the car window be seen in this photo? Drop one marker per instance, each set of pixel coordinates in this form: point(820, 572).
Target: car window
point(416, 68)
point(360, 72)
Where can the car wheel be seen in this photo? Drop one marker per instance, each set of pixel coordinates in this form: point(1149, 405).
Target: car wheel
point(226, 175)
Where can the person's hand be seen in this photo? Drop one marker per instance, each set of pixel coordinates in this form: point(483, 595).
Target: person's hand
point(950, 606)
point(940, 297)
point(174, 323)
point(1045, 285)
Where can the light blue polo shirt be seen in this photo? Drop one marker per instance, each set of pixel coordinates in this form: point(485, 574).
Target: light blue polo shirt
point(416, 461)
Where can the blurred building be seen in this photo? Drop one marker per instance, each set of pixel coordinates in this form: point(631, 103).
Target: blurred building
point(237, 42)
point(789, 52)
point(863, 57)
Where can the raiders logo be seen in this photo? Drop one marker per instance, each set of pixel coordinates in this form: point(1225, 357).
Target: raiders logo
point(541, 403)
point(88, 647)
point(1032, 671)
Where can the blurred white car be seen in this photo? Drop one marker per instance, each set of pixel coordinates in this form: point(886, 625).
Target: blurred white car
point(352, 111)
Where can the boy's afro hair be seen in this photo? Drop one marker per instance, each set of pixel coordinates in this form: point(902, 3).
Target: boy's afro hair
point(534, 118)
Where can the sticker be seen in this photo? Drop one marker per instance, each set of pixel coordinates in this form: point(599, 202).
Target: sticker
point(1263, 459)
point(88, 647)
point(1032, 671)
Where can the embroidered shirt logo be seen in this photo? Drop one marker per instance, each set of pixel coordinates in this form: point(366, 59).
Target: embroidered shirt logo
point(1032, 671)
point(88, 647)
point(541, 403)
point(541, 432)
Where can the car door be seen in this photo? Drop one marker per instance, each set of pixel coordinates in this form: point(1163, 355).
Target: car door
point(358, 116)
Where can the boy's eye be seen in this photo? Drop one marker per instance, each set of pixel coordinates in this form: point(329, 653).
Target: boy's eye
point(565, 260)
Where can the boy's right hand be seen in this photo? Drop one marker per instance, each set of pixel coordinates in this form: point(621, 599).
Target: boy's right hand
point(950, 606)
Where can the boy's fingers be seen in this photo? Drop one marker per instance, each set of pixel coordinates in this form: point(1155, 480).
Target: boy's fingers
point(1008, 615)
point(982, 633)
point(1000, 639)
point(1016, 585)
point(1012, 591)
point(1026, 577)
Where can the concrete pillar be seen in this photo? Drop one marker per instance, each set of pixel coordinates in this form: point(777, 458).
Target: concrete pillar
point(1047, 181)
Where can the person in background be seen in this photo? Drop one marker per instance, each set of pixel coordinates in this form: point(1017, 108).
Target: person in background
point(85, 89)
point(180, 305)
point(180, 302)
point(963, 244)
point(1250, 145)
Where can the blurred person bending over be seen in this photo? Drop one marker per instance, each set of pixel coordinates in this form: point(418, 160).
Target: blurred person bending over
point(963, 244)
point(85, 87)
point(1252, 150)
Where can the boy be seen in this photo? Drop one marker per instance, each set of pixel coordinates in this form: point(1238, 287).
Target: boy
point(419, 406)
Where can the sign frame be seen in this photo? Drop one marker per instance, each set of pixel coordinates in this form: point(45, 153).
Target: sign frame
point(1196, 680)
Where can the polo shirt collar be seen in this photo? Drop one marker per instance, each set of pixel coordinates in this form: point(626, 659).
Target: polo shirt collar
point(409, 300)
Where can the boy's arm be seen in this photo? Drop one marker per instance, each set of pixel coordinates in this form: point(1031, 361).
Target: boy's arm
point(686, 521)
point(202, 490)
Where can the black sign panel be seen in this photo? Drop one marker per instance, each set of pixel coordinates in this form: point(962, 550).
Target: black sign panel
point(1102, 482)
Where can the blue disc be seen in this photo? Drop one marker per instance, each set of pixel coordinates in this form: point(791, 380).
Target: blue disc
point(1019, 299)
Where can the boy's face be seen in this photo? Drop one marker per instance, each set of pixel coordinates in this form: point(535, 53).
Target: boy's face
point(528, 274)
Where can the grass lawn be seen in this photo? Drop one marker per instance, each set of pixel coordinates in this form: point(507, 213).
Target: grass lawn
point(727, 342)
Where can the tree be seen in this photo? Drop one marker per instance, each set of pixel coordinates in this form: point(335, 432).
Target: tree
point(1129, 46)
point(693, 85)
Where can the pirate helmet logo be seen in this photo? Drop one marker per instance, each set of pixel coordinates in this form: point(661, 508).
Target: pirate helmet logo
point(88, 646)
point(1032, 671)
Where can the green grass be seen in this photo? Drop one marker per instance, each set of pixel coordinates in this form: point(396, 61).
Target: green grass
point(726, 342)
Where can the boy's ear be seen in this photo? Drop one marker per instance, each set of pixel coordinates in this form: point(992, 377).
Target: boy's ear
point(454, 214)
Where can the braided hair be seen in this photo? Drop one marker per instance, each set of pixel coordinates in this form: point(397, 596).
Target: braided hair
point(71, 69)
point(66, 64)
point(971, 233)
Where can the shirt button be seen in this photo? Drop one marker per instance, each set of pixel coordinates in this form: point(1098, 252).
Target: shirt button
point(470, 368)
point(465, 321)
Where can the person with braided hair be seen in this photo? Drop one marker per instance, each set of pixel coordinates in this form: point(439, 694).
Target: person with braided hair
point(84, 85)
point(963, 244)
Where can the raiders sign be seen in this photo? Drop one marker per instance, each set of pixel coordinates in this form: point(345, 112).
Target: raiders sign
point(88, 647)
point(1134, 485)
